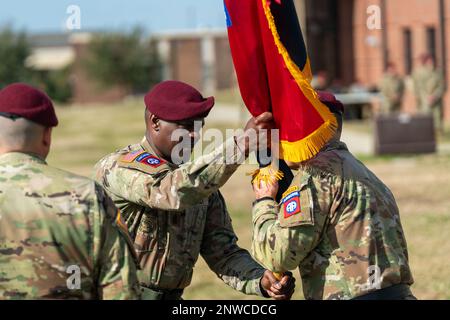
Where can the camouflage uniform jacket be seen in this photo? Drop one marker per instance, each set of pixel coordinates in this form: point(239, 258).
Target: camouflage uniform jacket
point(56, 226)
point(176, 213)
point(339, 224)
point(429, 83)
point(392, 89)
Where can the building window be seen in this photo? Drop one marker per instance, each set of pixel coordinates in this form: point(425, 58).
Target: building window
point(407, 53)
point(431, 42)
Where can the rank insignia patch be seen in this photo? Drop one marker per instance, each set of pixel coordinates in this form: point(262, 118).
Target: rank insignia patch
point(291, 204)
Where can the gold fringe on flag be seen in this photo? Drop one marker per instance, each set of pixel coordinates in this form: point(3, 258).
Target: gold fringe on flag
point(267, 174)
point(308, 147)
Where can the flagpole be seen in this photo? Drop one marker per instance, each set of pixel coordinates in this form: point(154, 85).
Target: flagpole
point(300, 7)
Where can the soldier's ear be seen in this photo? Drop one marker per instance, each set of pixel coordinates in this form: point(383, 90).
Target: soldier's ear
point(44, 148)
point(155, 123)
point(47, 139)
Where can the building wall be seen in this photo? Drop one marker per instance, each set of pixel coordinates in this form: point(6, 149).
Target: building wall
point(224, 64)
point(85, 89)
point(329, 34)
point(203, 60)
point(186, 61)
point(447, 36)
point(368, 51)
point(416, 15)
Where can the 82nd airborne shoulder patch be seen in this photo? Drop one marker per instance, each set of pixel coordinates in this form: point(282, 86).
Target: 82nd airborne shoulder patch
point(296, 208)
point(291, 202)
point(150, 160)
point(142, 157)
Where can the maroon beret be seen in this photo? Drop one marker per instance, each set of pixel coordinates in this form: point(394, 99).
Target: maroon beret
point(176, 101)
point(24, 101)
point(331, 102)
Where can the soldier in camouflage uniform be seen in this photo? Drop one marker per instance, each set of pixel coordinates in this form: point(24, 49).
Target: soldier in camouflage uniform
point(175, 212)
point(60, 234)
point(429, 89)
point(338, 223)
point(392, 89)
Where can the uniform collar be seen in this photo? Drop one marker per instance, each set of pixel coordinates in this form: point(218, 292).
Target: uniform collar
point(15, 157)
point(146, 146)
point(335, 145)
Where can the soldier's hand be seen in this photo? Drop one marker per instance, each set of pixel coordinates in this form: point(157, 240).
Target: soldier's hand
point(278, 289)
point(257, 133)
point(265, 190)
point(263, 121)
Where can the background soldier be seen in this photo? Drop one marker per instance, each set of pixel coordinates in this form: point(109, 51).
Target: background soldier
point(60, 234)
point(338, 223)
point(392, 89)
point(174, 213)
point(429, 90)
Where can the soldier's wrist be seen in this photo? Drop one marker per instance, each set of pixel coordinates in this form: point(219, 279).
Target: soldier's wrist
point(262, 199)
point(263, 291)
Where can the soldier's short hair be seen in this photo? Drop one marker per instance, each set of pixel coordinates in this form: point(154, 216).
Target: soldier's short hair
point(19, 133)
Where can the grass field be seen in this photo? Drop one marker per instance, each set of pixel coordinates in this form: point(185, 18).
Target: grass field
point(421, 185)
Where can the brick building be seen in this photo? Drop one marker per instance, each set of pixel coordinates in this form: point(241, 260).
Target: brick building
point(59, 51)
point(340, 41)
point(201, 58)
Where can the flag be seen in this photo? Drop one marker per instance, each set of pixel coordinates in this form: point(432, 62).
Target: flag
point(274, 74)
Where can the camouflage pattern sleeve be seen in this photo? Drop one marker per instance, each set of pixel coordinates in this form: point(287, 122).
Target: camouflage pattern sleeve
point(439, 85)
point(231, 263)
point(114, 255)
point(285, 234)
point(166, 188)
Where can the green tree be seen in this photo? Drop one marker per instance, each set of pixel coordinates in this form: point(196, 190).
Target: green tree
point(56, 83)
point(124, 59)
point(14, 50)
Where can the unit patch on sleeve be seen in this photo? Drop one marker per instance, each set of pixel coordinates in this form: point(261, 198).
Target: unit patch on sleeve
point(296, 208)
point(142, 160)
point(291, 202)
point(149, 160)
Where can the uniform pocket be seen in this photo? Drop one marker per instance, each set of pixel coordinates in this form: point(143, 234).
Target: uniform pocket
point(193, 228)
point(147, 233)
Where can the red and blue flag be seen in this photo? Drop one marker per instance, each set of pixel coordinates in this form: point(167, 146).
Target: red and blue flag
point(274, 74)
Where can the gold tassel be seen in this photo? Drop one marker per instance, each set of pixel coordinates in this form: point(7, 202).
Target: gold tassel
point(309, 146)
point(278, 275)
point(267, 174)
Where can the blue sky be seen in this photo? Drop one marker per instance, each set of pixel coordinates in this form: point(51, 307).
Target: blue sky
point(39, 16)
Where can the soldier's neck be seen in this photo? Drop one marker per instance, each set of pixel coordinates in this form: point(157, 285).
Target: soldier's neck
point(33, 153)
point(154, 149)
